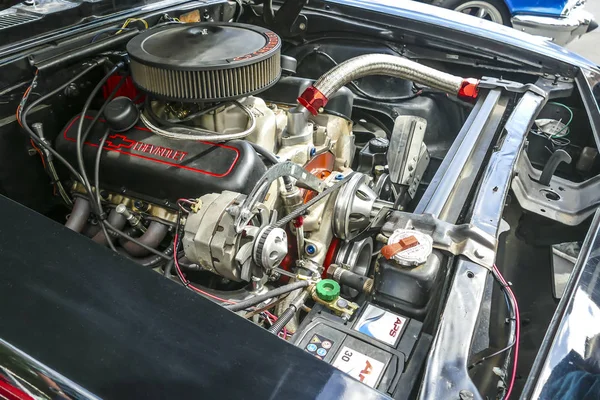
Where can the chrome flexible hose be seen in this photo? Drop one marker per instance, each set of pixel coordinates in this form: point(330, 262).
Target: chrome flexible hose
point(385, 64)
point(316, 97)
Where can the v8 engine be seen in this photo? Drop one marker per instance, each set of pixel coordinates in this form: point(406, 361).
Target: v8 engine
point(212, 158)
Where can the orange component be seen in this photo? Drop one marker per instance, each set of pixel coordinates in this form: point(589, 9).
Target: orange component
point(321, 167)
point(192, 16)
point(391, 250)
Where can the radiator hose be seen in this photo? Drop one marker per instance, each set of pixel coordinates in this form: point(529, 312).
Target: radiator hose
point(315, 97)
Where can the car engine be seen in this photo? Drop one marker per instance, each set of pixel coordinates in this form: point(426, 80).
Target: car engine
point(242, 163)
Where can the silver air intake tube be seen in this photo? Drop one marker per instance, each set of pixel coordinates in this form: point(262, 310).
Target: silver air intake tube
point(315, 97)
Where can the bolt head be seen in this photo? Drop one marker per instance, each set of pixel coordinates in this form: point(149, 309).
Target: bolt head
point(342, 303)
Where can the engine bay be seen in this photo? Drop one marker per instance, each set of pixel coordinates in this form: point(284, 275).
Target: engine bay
point(321, 190)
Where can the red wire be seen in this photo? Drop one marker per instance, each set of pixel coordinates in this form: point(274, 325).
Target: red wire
point(187, 283)
point(517, 332)
point(274, 317)
point(24, 99)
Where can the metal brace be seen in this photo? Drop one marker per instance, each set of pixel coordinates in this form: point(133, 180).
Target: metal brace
point(544, 87)
point(510, 86)
point(465, 240)
point(304, 179)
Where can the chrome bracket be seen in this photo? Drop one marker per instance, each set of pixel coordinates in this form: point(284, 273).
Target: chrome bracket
point(304, 179)
point(487, 82)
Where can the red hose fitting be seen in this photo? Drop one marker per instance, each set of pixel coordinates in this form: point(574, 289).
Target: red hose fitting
point(313, 100)
point(469, 89)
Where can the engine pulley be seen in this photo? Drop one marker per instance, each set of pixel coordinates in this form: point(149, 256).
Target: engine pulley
point(357, 206)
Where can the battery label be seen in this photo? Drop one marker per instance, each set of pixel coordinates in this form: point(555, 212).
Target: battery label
point(359, 366)
point(381, 325)
point(319, 346)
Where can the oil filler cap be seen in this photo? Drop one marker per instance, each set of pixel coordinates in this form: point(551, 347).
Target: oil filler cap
point(328, 290)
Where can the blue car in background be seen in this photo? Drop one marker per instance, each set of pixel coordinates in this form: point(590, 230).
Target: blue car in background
point(560, 20)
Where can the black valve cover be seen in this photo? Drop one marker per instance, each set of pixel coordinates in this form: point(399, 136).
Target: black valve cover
point(163, 170)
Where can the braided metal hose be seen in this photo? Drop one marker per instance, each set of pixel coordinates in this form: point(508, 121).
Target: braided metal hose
point(315, 97)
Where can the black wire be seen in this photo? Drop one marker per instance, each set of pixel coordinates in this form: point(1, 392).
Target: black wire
point(266, 154)
point(268, 13)
point(301, 210)
point(252, 301)
point(100, 112)
point(36, 138)
point(97, 169)
point(108, 238)
point(511, 309)
point(131, 239)
point(85, 180)
point(79, 141)
point(241, 10)
point(392, 99)
point(105, 223)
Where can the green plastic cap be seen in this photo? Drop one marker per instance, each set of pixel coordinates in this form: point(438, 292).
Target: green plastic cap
point(328, 289)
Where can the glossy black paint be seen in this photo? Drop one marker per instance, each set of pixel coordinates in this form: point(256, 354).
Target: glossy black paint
point(123, 332)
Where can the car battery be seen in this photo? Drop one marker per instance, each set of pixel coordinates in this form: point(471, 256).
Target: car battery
point(374, 347)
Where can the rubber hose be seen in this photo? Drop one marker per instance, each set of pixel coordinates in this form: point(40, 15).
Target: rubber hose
point(79, 215)
point(115, 219)
point(252, 301)
point(267, 155)
point(155, 234)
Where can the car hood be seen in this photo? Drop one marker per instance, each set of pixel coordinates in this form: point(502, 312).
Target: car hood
point(474, 26)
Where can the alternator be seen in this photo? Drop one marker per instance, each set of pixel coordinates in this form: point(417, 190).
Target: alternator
point(211, 240)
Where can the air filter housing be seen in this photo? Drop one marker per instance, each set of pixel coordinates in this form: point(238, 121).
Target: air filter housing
point(205, 61)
